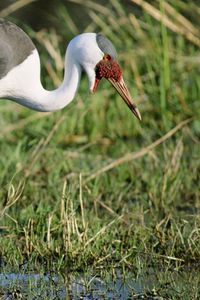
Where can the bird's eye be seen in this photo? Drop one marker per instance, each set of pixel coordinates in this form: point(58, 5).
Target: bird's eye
point(107, 57)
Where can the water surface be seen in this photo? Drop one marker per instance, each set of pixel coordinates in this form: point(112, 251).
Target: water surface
point(163, 284)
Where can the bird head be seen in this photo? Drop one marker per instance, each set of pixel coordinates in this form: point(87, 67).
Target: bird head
point(98, 58)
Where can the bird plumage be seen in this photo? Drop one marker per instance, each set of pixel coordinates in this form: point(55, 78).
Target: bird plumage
point(20, 68)
point(15, 46)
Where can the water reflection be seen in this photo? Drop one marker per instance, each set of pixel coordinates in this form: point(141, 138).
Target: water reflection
point(151, 285)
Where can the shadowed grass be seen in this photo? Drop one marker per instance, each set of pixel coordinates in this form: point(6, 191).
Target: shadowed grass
point(72, 189)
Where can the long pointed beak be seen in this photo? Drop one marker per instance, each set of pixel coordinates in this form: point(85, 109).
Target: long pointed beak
point(122, 89)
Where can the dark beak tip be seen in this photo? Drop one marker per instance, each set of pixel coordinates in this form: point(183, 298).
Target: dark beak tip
point(137, 113)
point(121, 88)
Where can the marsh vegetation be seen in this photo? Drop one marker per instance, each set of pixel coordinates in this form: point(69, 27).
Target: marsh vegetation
point(91, 187)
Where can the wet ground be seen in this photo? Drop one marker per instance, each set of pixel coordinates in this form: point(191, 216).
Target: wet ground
point(151, 285)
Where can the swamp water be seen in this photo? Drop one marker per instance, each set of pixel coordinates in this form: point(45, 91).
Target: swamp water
point(151, 285)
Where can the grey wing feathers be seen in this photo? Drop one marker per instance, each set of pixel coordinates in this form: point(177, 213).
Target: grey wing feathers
point(5, 58)
point(15, 46)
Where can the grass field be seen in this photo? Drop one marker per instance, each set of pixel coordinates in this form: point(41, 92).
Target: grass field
point(91, 186)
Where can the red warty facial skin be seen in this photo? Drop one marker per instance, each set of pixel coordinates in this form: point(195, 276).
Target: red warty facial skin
point(108, 69)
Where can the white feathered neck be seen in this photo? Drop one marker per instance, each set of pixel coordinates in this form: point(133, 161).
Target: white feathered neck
point(23, 85)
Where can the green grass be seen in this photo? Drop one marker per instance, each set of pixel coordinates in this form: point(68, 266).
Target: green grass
point(139, 209)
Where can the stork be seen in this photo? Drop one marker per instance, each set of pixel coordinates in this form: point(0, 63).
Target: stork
point(20, 69)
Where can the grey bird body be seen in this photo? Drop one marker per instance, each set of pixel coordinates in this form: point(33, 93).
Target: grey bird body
point(15, 46)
